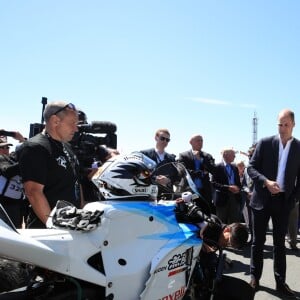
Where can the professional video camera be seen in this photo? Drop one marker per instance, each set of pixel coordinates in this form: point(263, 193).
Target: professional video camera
point(89, 146)
point(91, 149)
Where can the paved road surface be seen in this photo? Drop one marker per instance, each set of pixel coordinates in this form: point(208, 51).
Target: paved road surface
point(240, 269)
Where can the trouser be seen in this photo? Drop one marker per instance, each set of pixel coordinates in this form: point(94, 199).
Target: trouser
point(278, 211)
point(293, 225)
point(230, 212)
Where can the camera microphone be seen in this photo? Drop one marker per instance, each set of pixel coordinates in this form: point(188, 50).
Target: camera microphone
point(106, 127)
point(98, 127)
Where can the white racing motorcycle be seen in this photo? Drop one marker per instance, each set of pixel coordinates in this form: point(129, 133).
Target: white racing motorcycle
point(128, 246)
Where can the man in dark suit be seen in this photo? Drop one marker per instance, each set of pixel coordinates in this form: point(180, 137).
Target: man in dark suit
point(227, 185)
point(275, 171)
point(158, 154)
point(200, 164)
point(161, 157)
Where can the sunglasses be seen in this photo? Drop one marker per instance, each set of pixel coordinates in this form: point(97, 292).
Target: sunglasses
point(162, 138)
point(69, 105)
point(5, 147)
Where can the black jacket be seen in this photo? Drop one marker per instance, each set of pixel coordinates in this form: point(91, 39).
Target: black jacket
point(264, 165)
point(221, 184)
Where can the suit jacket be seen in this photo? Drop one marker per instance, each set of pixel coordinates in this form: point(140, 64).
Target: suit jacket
point(163, 167)
point(264, 165)
point(220, 182)
point(207, 166)
point(151, 153)
point(187, 158)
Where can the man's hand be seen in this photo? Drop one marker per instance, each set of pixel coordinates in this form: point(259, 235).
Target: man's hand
point(272, 186)
point(162, 180)
point(19, 137)
point(234, 189)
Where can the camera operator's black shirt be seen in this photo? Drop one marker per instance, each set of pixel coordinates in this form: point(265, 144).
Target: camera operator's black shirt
point(46, 161)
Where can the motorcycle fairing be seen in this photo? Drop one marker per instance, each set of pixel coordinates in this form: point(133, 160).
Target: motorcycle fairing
point(63, 251)
point(134, 238)
point(172, 266)
point(137, 231)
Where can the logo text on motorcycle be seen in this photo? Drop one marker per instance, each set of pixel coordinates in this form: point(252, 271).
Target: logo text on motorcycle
point(177, 295)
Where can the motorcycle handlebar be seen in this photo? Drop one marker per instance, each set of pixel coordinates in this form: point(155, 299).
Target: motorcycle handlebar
point(194, 210)
point(191, 213)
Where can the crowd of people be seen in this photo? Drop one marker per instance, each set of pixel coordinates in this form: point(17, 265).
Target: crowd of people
point(45, 168)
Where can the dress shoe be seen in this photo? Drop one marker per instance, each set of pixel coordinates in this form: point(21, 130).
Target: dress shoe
point(249, 243)
point(284, 290)
point(293, 246)
point(254, 284)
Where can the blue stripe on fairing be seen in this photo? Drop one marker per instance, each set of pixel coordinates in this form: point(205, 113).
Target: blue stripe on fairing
point(164, 214)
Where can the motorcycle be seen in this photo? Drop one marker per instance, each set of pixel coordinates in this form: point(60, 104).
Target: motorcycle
point(128, 246)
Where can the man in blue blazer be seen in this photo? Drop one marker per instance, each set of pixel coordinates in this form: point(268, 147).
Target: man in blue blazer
point(275, 171)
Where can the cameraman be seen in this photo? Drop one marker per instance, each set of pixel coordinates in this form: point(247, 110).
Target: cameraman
point(91, 155)
point(48, 166)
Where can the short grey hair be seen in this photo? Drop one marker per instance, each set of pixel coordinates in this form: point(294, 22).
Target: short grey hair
point(53, 107)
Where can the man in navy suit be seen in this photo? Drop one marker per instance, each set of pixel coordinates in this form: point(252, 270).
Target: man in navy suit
point(227, 185)
point(200, 164)
point(275, 171)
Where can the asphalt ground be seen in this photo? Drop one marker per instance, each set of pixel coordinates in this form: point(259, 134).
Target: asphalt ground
point(240, 269)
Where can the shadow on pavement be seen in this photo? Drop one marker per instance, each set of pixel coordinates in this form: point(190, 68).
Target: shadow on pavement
point(275, 294)
point(237, 267)
point(231, 288)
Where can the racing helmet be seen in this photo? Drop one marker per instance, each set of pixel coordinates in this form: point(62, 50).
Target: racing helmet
point(127, 177)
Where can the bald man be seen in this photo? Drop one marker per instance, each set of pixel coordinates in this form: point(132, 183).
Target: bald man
point(199, 164)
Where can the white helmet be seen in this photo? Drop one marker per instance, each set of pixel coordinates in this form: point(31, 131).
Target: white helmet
point(127, 177)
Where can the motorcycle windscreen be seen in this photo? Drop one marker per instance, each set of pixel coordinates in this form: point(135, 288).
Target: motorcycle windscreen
point(179, 180)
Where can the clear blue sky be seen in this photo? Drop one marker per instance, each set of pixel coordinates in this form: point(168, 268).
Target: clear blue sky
point(191, 66)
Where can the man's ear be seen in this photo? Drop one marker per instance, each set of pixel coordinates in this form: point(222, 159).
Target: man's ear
point(54, 120)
